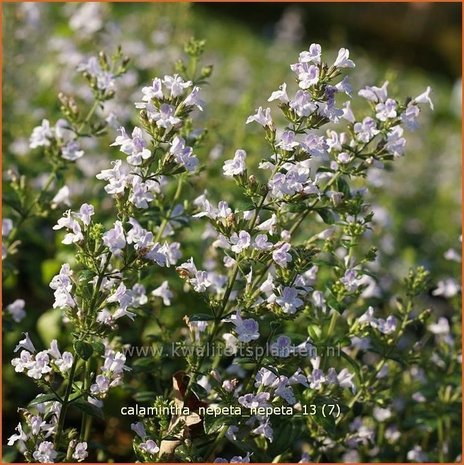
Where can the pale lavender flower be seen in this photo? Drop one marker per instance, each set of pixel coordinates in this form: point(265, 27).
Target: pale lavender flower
point(375, 94)
point(19, 438)
point(236, 166)
point(342, 60)
point(289, 300)
point(313, 55)
point(280, 94)
point(41, 135)
point(424, 97)
point(164, 292)
point(16, 310)
point(281, 255)
point(447, 288)
point(115, 239)
point(45, 452)
point(262, 117)
point(247, 330)
point(183, 154)
point(26, 344)
point(149, 447)
point(255, 400)
point(308, 75)
point(176, 85)
point(261, 242)
point(239, 242)
point(366, 130)
point(80, 451)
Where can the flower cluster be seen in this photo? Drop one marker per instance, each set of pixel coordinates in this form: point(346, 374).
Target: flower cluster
point(284, 275)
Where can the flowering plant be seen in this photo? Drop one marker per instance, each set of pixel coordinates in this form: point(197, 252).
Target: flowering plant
point(288, 345)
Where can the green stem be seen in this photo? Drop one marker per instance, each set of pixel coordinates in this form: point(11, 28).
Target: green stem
point(64, 405)
point(165, 221)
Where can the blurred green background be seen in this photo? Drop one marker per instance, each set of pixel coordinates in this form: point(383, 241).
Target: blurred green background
point(250, 46)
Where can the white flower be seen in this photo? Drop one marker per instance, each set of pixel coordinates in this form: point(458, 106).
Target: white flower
point(287, 141)
point(71, 151)
point(45, 452)
point(289, 300)
point(114, 239)
point(240, 241)
point(183, 154)
point(68, 222)
point(255, 400)
point(308, 74)
point(40, 366)
point(19, 438)
point(441, 327)
point(7, 226)
point(62, 361)
point(264, 429)
point(447, 288)
point(236, 166)
point(302, 104)
point(350, 280)
point(125, 299)
point(105, 80)
point(85, 213)
point(417, 455)
point(395, 141)
point(153, 92)
point(164, 117)
point(200, 281)
point(268, 225)
point(262, 117)
point(280, 94)
point(80, 451)
point(313, 55)
point(23, 361)
point(382, 414)
point(101, 386)
point(281, 256)
point(176, 85)
point(164, 292)
point(316, 379)
point(193, 99)
point(117, 180)
point(424, 97)
point(366, 130)
point(16, 310)
point(25, 343)
point(41, 135)
point(62, 285)
point(386, 110)
point(149, 446)
point(135, 147)
point(139, 429)
point(343, 60)
point(61, 198)
point(375, 94)
point(247, 330)
point(261, 242)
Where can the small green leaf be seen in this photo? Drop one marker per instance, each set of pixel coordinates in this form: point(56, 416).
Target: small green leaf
point(326, 215)
point(201, 317)
point(83, 349)
point(43, 398)
point(89, 408)
point(213, 424)
point(98, 347)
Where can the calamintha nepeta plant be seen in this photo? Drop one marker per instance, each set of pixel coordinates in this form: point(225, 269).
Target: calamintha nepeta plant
point(283, 279)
